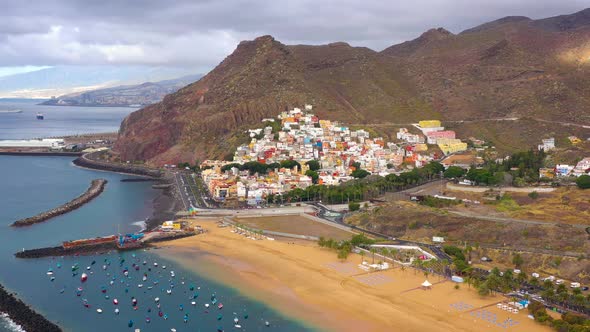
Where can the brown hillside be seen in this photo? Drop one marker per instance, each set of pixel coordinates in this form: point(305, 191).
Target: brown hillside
point(513, 67)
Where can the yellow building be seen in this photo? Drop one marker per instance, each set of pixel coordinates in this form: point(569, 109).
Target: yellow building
point(420, 147)
point(451, 145)
point(429, 123)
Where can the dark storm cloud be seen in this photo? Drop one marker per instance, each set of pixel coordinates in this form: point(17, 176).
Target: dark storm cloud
point(200, 33)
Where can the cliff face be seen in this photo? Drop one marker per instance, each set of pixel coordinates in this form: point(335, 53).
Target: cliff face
point(512, 67)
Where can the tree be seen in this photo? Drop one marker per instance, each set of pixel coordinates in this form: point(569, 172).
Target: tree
point(313, 175)
point(362, 253)
point(517, 260)
point(314, 165)
point(534, 195)
point(290, 164)
point(454, 172)
point(360, 173)
point(343, 254)
point(583, 182)
point(353, 206)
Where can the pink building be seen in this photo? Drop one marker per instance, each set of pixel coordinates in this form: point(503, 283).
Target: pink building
point(434, 135)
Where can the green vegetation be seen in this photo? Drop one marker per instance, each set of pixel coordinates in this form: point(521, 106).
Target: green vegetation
point(523, 167)
point(361, 189)
point(290, 164)
point(353, 206)
point(583, 182)
point(345, 247)
point(507, 204)
point(534, 195)
point(568, 323)
point(314, 165)
point(454, 172)
point(517, 260)
point(439, 202)
point(360, 173)
point(313, 175)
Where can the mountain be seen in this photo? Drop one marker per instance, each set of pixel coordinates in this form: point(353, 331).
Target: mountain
point(61, 80)
point(126, 95)
point(518, 68)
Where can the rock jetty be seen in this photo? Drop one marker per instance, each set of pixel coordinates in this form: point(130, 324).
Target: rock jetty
point(23, 315)
point(95, 189)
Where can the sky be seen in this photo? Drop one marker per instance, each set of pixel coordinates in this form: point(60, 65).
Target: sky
point(200, 33)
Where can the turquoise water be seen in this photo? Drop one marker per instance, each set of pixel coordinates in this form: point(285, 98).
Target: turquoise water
point(34, 184)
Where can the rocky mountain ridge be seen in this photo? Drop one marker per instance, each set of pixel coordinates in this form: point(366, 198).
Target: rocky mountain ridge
point(531, 70)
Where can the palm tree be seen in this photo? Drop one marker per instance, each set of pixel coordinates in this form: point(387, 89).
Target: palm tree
point(362, 253)
point(373, 251)
point(384, 253)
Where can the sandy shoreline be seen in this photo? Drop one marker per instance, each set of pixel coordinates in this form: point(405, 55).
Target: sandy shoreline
point(308, 283)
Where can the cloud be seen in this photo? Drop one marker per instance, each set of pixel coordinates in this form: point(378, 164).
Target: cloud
point(200, 33)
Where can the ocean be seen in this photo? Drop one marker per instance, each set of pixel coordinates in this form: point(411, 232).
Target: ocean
point(59, 121)
point(34, 184)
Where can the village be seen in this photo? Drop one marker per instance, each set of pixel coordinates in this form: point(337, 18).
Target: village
point(298, 149)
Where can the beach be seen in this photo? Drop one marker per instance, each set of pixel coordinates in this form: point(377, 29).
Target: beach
point(308, 283)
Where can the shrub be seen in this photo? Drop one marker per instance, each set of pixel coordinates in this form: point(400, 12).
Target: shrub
point(354, 206)
point(534, 195)
point(583, 182)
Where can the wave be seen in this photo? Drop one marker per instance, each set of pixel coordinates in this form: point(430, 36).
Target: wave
point(9, 324)
point(141, 224)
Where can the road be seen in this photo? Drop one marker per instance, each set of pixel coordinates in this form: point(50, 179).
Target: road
point(522, 221)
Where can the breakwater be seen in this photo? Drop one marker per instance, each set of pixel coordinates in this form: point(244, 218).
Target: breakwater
point(98, 248)
point(90, 160)
point(95, 189)
point(23, 315)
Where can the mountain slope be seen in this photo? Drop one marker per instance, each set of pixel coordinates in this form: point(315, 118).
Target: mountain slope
point(125, 95)
point(513, 67)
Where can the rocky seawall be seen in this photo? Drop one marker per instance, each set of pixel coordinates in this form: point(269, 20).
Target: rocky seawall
point(23, 315)
point(94, 249)
point(95, 189)
point(90, 161)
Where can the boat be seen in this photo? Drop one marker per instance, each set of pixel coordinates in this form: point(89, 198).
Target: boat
point(220, 306)
point(206, 305)
point(40, 116)
point(130, 324)
point(116, 311)
point(10, 111)
point(99, 310)
point(236, 320)
point(193, 303)
point(266, 323)
point(238, 326)
point(140, 285)
point(157, 299)
point(84, 277)
point(181, 307)
point(169, 291)
point(115, 301)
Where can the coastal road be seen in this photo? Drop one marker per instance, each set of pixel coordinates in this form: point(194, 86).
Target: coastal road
point(182, 190)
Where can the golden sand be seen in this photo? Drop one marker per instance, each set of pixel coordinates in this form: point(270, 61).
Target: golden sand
point(299, 279)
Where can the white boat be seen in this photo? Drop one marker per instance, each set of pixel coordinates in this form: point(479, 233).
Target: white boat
point(157, 299)
point(236, 320)
point(169, 291)
point(140, 285)
point(194, 303)
point(238, 326)
point(117, 311)
point(99, 311)
point(206, 305)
